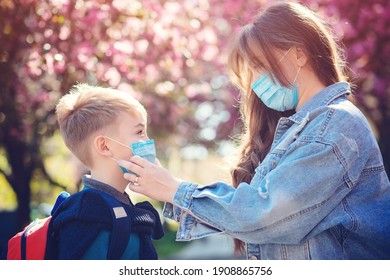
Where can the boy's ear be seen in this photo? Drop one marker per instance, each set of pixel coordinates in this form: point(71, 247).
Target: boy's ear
point(301, 56)
point(100, 145)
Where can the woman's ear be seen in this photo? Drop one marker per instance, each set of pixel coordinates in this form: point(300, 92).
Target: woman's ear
point(300, 56)
point(101, 147)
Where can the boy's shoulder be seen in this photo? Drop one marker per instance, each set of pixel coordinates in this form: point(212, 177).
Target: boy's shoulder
point(86, 205)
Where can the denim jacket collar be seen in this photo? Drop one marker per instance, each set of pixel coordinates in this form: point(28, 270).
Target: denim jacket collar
point(321, 99)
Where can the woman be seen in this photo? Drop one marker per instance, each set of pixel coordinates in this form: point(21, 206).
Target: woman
point(310, 181)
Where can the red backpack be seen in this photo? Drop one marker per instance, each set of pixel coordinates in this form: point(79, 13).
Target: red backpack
point(31, 242)
point(33, 237)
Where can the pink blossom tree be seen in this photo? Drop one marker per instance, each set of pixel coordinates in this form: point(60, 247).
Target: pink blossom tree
point(171, 55)
point(168, 54)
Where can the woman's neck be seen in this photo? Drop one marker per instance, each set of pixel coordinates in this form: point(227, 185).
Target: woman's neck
point(309, 86)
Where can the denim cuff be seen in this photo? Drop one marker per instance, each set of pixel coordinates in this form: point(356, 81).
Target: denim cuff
point(181, 200)
point(183, 194)
point(190, 227)
point(172, 212)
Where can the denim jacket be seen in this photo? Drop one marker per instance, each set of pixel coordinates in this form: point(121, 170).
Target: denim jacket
point(320, 193)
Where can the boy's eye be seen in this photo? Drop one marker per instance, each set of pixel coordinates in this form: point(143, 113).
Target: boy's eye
point(141, 132)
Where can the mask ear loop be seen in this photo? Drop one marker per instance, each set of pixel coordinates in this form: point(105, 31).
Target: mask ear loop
point(284, 55)
point(117, 142)
point(296, 76)
point(114, 159)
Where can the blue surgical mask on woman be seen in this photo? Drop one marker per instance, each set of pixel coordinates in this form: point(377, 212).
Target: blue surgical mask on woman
point(274, 95)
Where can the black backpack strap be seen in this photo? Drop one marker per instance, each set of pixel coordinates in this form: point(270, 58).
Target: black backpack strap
point(23, 240)
point(120, 232)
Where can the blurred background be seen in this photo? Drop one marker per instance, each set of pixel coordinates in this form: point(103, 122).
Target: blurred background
point(170, 55)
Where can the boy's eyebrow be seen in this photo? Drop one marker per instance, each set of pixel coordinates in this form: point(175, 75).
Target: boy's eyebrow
point(140, 125)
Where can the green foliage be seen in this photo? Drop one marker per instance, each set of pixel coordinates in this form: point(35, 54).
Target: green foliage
point(167, 245)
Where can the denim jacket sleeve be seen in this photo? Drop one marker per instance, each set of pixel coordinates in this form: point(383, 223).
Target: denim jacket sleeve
point(190, 227)
point(284, 203)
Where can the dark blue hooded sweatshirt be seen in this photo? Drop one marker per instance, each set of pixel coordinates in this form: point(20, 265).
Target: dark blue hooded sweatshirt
point(82, 224)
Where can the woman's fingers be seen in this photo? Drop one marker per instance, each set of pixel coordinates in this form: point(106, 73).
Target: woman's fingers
point(136, 164)
point(150, 179)
point(134, 179)
point(140, 161)
point(137, 188)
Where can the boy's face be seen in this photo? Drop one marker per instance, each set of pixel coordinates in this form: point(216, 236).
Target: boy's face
point(129, 128)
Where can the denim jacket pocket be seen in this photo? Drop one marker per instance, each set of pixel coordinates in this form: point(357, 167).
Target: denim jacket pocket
point(271, 161)
point(269, 164)
point(286, 252)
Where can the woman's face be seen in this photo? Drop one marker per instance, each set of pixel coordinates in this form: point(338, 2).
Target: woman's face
point(285, 61)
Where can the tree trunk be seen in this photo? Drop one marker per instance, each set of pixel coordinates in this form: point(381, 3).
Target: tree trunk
point(23, 196)
point(19, 155)
point(22, 170)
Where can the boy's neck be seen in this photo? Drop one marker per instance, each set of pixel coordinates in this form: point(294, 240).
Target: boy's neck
point(109, 178)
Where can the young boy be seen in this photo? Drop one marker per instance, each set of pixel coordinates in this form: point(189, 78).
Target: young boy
point(98, 125)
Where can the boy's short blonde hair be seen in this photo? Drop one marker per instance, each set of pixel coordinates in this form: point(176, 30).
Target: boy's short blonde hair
point(87, 109)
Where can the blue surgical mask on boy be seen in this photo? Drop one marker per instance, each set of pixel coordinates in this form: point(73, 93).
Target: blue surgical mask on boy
point(274, 95)
point(144, 149)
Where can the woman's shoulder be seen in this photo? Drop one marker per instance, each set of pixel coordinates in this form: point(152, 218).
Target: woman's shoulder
point(341, 118)
point(343, 127)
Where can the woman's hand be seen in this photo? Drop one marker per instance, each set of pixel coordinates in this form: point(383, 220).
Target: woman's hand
point(153, 180)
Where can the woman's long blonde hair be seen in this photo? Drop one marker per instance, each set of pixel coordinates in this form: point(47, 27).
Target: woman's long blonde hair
point(278, 28)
